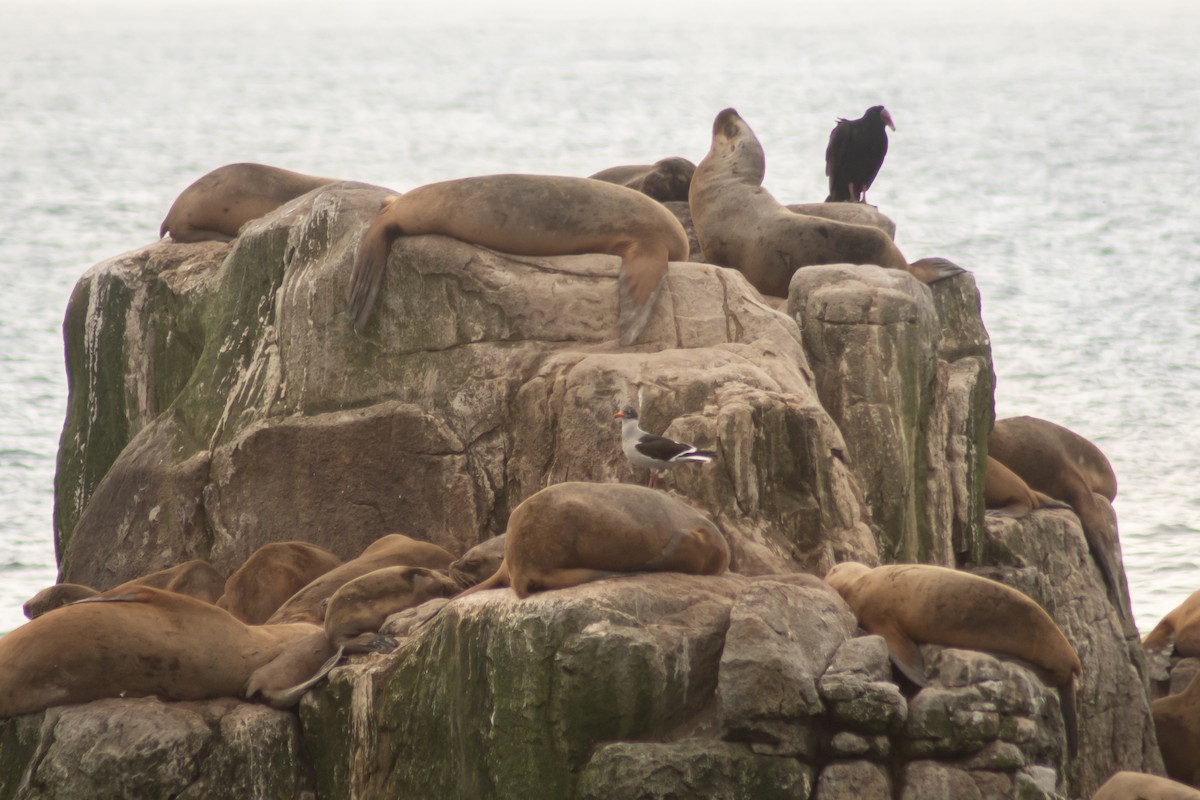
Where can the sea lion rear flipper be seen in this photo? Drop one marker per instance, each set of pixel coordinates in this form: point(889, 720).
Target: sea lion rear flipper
point(932, 270)
point(906, 655)
point(1066, 702)
point(639, 285)
point(287, 698)
point(1046, 501)
point(129, 595)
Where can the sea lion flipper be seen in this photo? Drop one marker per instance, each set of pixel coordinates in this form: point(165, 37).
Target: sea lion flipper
point(639, 285)
point(370, 263)
point(934, 269)
point(564, 578)
point(1066, 702)
point(905, 654)
point(131, 595)
point(287, 698)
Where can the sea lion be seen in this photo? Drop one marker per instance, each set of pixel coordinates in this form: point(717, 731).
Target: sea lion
point(359, 607)
point(666, 180)
point(740, 225)
point(1006, 494)
point(572, 533)
point(1126, 785)
point(1177, 632)
point(194, 578)
point(1067, 467)
point(56, 596)
point(479, 563)
point(284, 680)
point(1177, 723)
point(272, 574)
point(532, 215)
point(217, 205)
point(911, 604)
point(134, 643)
point(393, 550)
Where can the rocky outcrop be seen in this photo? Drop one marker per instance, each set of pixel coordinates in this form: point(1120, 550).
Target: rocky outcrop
point(916, 419)
point(484, 378)
point(220, 400)
point(148, 749)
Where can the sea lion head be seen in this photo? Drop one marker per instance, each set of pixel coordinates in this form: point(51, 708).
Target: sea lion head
point(670, 179)
point(479, 563)
point(845, 576)
point(736, 148)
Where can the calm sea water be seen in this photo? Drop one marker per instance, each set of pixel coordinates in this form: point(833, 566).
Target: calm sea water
point(1052, 153)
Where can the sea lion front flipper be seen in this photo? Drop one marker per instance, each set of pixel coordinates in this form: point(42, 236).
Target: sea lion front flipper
point(639, 285)
point(905, 655)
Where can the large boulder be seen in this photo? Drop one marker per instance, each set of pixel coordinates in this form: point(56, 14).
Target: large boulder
point(148, 749)
point(255, 413)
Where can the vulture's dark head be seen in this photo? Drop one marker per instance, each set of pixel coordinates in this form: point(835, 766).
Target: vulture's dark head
point(881, 114)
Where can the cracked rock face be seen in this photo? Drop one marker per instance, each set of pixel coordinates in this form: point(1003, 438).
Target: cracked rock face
point(220, 400)
point(149, 749)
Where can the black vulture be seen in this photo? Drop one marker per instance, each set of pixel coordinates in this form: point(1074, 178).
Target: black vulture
point(855, 154)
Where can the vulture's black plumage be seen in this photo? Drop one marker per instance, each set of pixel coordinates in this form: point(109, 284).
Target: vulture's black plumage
point(855, 154)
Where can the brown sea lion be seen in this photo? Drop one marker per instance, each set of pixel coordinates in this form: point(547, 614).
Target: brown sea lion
point(284, 680)
point(134, 643)
point(740, 225)
point(1067, 467)
point(666, 180)
point(532, 215)
point(911, 604)
point(56, 596)
point(1006, 494)
point(393, 550)
point(1177, 723)
point(1127, 785)
point(572, 533)
point(272, 574)
point(194, 578)
point(359, 607)
point(1177, 632)
point(479, 563)
point(217, 205)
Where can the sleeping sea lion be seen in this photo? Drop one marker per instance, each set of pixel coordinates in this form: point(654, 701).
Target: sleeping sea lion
point(359, 607)
point(393, 550)
point(1177, 723)
point(911, 604)
point(479, 563)
point(1126, 785)
point(195, 578)
point(532, 215)
point(217, 205)
point(135, 642)
point(1006, 494)
point(575, 532)
point(666, 180)
point(1067, 467)
point(1178, 631)
point(272, 574)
